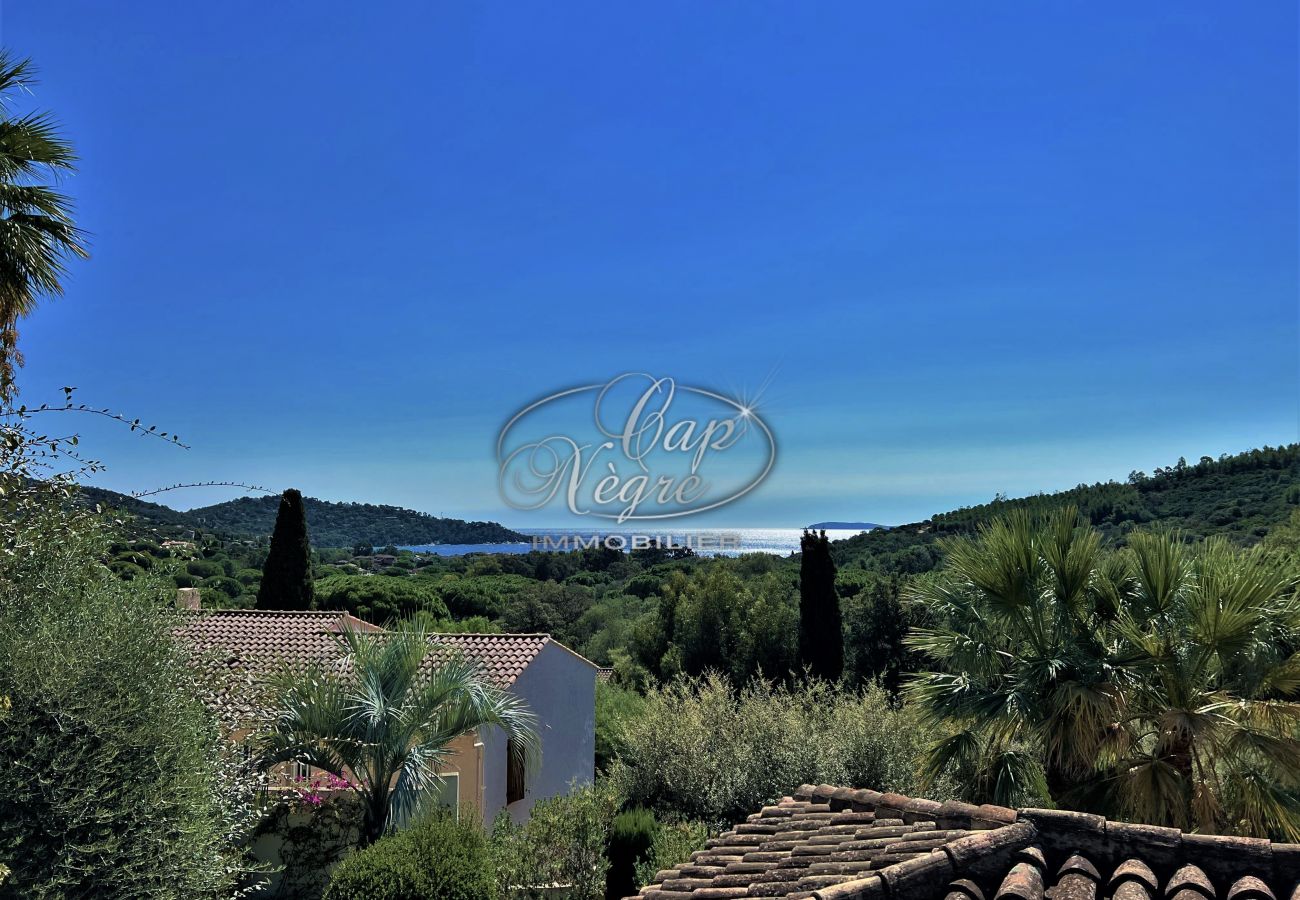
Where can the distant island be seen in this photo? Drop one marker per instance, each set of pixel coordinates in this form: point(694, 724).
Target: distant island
point(845, 526)
point(330, 524)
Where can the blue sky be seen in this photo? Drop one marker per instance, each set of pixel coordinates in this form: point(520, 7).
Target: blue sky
point(968, 248)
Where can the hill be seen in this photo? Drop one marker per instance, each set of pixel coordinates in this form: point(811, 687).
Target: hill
point(1240, 496)
point(845, 526)
point(330, 524)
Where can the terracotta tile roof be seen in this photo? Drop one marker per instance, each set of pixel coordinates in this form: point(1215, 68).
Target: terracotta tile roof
point(832, 843)
point(257, 641)
point(503, 656)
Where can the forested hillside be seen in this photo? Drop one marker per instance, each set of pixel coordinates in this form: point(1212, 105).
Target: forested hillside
point(1240, 496)
point(349, 524)
point(331, 524)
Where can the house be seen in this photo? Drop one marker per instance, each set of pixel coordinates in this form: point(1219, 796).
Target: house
point(557, 684)
point(830, 843)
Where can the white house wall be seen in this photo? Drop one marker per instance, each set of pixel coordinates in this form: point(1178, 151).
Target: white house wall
point(560, 688)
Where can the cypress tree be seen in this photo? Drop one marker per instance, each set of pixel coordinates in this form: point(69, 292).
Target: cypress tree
point(286, 576)
point(821, 639)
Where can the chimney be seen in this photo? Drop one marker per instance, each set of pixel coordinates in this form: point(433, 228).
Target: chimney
point(188, 598)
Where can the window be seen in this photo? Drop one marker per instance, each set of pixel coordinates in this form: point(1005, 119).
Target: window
point(448, 793)
point(515, 768)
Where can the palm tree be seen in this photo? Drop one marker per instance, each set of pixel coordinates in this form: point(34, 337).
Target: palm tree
point(37, 233)
point(1157, 683)
point(1208, 638)
point(1025, 689)
point(385, 717)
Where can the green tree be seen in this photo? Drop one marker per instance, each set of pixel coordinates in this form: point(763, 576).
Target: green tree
point(378, 599)
point(1018, 615)
point(875, 627)
point(1158, 683)
point(37, 233)
point(821, 638)
point(115, 780)
point(1206, 641)
point(713, 619)
point(387, 722)
point(286, 576)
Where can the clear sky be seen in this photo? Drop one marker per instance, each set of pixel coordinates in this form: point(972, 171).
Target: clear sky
point(968, 248)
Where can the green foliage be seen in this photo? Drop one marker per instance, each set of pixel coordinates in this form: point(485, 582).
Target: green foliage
point(546, 607)
point(673, 844)
point(482, 595)
point(1238, 496)
point(631, 839)
point(1156, 684)
point(110, 779)
point(763, 741)
point(614, 706)
point(377, 599)
point(821, 635)
point(714, 619)
point(563, 842)
point(438, 856)
point(228, 586)
point(392, 753)
point(286, 576)
point(351, 524)
point(204, 568)
point(126, 571)
point(876, 623)
point(39, 233)
point(472, 625)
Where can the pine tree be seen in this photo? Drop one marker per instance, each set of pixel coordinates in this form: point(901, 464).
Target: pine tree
point(286, 576)
point(821, 639)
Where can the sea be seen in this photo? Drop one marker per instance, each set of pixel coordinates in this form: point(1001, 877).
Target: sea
point(705, 541)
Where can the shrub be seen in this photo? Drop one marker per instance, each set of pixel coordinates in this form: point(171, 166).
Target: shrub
point(764, 742)
point(204, 568)
point(673, 844)
point(377, 599)
point(563, 842)
point(437, 856)
point(631, 837)
point(143, 560)
point(228, 586)
point(111, 779)
point(127, 571)
point(615, 706)
point(248, 577)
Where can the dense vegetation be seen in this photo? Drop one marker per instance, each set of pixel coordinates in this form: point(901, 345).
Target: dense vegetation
point(330, 524)
point(1240, 496)
point(655, 615)
point(350, 524)
point(100, 704)
point(1157, 683)
point(436, 857)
